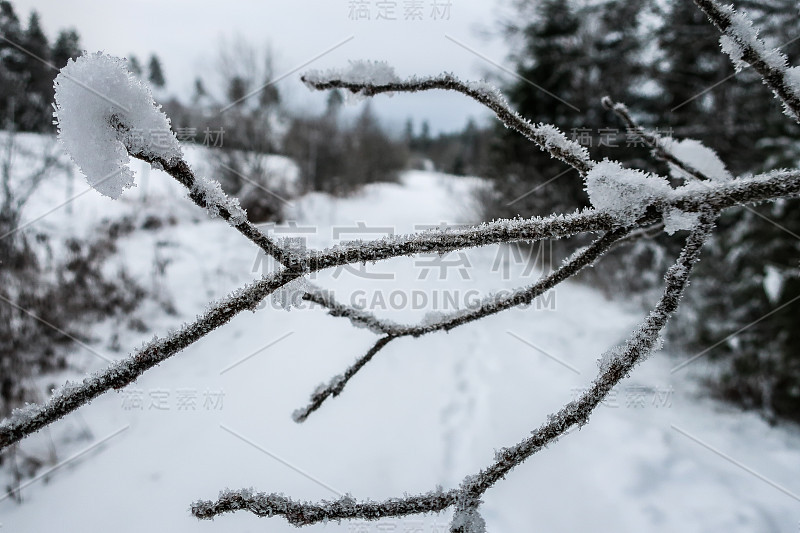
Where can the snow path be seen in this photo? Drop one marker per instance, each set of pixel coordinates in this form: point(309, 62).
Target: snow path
point(424, 412)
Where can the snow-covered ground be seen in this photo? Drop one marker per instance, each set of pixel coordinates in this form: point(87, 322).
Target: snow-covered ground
point(425, 412)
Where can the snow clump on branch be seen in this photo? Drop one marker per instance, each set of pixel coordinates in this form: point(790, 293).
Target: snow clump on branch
point(624, 192)
point(103, 112)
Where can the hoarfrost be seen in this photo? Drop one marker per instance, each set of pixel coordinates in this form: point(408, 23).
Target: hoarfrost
point(432, 318)
point(742, 33)
point(792, 80)
point(488, 90)
point(468, 521)
point(215, 197)
point(677, 220)
point(734, 51)
point(624, 192)
point(102, 111)
point(773, 283)
point(359, 71)
point(555, 138)
point(699, 157)
point(291, 294)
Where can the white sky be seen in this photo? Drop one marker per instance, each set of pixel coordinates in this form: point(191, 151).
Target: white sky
point(185, 35)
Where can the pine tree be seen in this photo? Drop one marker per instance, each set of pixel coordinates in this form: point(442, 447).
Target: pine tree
point(237, 89)
point(200, 92)
point(12, 65)
point(269, 96)
point(156, 76)
point(35, 111)
point(66, 47)
point(135, 66)
point(559, 85)
point(334, 103)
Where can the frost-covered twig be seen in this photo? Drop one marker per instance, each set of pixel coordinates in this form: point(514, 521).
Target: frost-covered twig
point(358, 80)
point(360, 318)
point(335, 386)
point(307, 513)
point(208, 195)
point(693, 197)
point(29, 419)
point(652, 139)
point(741, 42)
point(689, 198)
point(101, 134)
point(489, 306)
point(769, 186)
point(614, 366)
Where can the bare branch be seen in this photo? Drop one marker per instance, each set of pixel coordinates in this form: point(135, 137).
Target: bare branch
point(226, 208)
point(615, 366)
point(71, 396)
point(653, 140)
point(307, 513)
point(358, 317)
point(769, 186)
point(740, 40)
point(490, 306)
point(625, 215)
point(689, 198)
point(545, 136)
point(337, 383)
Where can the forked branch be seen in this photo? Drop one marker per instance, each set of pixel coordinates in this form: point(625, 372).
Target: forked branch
point(740, 40)
point(614, 366)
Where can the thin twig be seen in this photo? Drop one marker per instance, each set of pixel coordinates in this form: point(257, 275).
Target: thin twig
point(490, 306)
point(545, 136)
point(639, 346)
point(652, 139)
point(25, 421)
point(771, 64)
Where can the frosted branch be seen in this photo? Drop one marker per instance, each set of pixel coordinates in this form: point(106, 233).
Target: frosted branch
point(208, 195)
point(615, 366)
point(741, 42)
point(335, 386)
point(690, 198)
point(545, 136)
point(31, 418)
point(466, 498)
point(307, 513)
point(102, 110)
point(489, 306)
point(651, 139)
point(358, 317)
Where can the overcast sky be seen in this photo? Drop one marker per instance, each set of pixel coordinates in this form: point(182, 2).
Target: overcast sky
point(186, 34)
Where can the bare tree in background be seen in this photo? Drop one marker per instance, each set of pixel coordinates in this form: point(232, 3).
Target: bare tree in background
point(628, 204)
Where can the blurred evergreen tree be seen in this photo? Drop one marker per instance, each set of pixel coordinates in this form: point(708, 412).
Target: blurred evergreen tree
point(28, 66)
point(35, 110)
point(741, 306)
point(134, 65)
point(156, 73)
point(12, 65)
point(568, 55)
point(66, 47)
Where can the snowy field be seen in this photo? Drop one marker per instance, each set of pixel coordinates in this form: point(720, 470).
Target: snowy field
point(425, 412)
